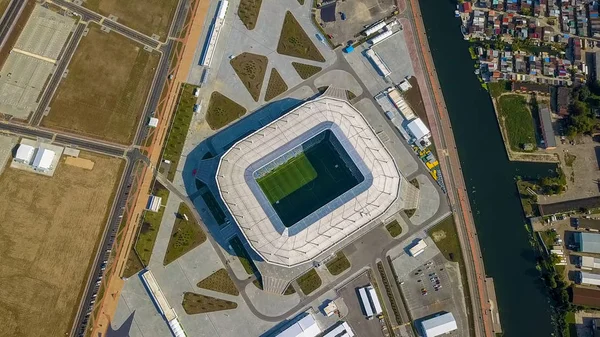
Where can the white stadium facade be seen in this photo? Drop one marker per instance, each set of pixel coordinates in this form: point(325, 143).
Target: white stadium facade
point(383, 188)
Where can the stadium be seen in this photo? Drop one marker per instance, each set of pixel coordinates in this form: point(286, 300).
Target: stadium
point(308, 180)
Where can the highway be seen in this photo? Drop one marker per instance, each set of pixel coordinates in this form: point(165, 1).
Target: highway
point(9, 19)
point(61, 66)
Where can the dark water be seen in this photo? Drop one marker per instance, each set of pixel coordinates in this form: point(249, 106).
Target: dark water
point(523, 302)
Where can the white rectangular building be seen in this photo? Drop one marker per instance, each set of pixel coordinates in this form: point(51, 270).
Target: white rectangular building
point(24, 153)
point(589, 263)
point(374, 300)
point(589, 278)
point(163, 305)
point(305, 327)
point(418, 129)
point(418, 248)
point(341, 330)
point(43, 159)
point(364, 300)
point(439, 325)
point(383, 69)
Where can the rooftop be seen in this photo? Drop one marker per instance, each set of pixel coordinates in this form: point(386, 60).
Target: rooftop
point(331, 223)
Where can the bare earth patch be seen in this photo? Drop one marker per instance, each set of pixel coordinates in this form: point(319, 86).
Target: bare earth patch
point(222, 110)
point(106, 88)
point(251, 69)
point(196, 304)
point(276, 86)
point(146, 16)
point(48, 234)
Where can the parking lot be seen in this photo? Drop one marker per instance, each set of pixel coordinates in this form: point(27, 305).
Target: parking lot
point(423, 300)
point(356, 318)
point(356, 16)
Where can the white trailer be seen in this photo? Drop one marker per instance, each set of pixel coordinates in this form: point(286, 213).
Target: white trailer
point(364, 299)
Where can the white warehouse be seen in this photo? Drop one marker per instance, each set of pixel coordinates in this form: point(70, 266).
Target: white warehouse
point(589, 278)
point(439, 325)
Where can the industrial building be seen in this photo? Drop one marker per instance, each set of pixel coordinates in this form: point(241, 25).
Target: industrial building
point(341, 330)
point(589, 263)
point(162, 304)
point(290, 245)
point(439, 325)
point(586, 296)
point(304, 327)
point(420, 133)
point(382, 68)
point(369, 301)
point(37, 157)
point(588, 278)
point(213, 35)
point(547, 130)
point(587, 242)
point(418, 248)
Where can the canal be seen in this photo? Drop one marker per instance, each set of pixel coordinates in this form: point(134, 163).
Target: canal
point(523, 303)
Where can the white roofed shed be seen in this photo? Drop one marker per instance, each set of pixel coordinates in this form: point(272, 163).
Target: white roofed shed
point(43, 159)
point(24, 153)
point(439, 325)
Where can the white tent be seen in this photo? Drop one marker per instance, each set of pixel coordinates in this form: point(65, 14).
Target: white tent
point(439, 325)
point(24, 153)
point(43, 159)
point(418, 129)
point(305, 327)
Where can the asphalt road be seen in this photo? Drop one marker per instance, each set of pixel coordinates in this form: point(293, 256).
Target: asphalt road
point(9, 19)
point(61, 66)
point(88, 15)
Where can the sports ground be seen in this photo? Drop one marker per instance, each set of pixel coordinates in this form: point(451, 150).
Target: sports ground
point(48, 234)
point(307, 182)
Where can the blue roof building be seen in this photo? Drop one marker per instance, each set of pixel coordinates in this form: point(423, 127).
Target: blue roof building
point(588, 242)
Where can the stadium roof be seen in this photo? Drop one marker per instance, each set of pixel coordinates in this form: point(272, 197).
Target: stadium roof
point(334, 221)
point(439, 325)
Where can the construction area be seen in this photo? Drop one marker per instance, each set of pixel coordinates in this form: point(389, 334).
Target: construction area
point(48, 236)
point(32, 60)
point(105, 90)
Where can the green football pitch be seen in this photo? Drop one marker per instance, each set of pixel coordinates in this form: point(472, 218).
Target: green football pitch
point(287, 178)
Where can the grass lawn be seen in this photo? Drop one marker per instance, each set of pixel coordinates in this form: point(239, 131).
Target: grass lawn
point(548, 237)
point(309, 282)
point(133, 265)
point(289, 290)
point(186, 235)
point(498, 88)
point(570, 159)
point(155, 20)
point(196, 304)
point(214, 207)
point(248, 12)
point(394, 228)
point(293, 41)
point(276, 85)
point(104, 94)
point(305, 70)
point(287, 178)
point(179, 128)
point(251, 69)
point(150, 225)
point(222, 111)
point(219, 281)
point(242, 254)
point(339, 264)
point(517, 121)
point(528, 201)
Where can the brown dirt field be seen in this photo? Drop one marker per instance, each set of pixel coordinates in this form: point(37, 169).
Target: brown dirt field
point(106, 88)
point(48, 235)
point(145, 16)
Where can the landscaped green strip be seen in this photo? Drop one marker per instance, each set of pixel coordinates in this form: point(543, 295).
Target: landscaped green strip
point(276, 86)
point(293, 41)
point(186, 235)
point(305, 70)
point(287, 178)
point(338, 265)
point(248, 11)
point(179, 128)
point(309, 282)
point(197, 304)
point(242, 254)
point(517, 121)
point(222, 110)
point(219, 281)
point(150, 225)
point(394, 228)
point(251, 69)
